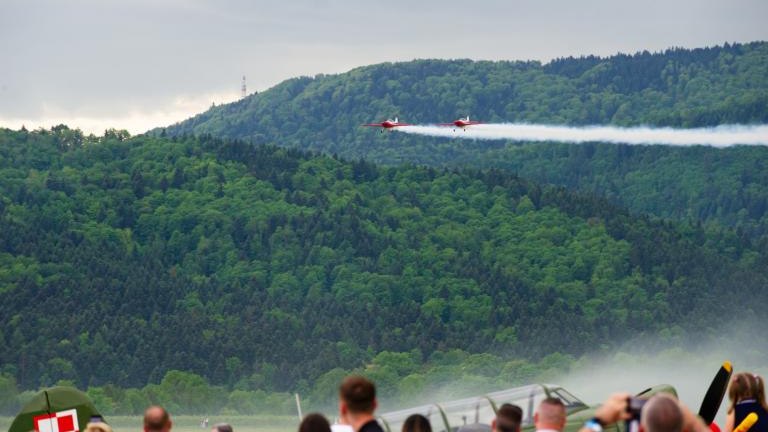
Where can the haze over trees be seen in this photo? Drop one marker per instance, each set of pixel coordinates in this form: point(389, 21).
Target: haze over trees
point(262, 269)
point(679, 87)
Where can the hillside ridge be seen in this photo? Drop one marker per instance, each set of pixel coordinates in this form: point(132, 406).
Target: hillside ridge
point(679, 87)
point(123, 258)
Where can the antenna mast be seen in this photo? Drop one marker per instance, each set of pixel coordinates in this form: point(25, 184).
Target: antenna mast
point(242, 89)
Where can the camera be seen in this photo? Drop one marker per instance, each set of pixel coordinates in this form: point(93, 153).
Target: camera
point(635, 407)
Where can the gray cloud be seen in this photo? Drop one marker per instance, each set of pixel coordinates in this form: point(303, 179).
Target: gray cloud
point(112, 59)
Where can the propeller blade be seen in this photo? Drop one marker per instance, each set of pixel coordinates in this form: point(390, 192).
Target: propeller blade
point(714, 397)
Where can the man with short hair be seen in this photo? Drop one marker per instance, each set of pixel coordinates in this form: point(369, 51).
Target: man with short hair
point(508, 419)
point(550, 416)
point(357, 402)
point(157, 419)
point(662, 413)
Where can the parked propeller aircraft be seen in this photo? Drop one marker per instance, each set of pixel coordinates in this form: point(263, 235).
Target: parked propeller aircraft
point(475, 414)
point(461, 123)
point(388, 124)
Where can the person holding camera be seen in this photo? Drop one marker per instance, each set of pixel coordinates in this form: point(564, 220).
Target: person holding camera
point(660, 413)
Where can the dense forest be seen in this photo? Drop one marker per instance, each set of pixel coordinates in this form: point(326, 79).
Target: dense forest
point(678, 87)
point(261, 268)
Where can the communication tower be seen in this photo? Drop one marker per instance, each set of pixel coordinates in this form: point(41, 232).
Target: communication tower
point(242, 89)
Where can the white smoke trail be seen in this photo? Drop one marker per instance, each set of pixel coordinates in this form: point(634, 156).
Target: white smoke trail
point(719, 136)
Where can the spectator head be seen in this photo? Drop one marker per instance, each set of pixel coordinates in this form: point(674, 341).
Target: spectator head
point(745, 385)
point(508, 418)
point(98, 427)
point(662, 413)
point(357, 395)
point(222, 427)
point(550, 415)
point(474, 427)
point(157, 419)
point(314, 423)
point(416, 423)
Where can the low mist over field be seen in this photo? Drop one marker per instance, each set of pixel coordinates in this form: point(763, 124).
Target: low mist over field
point(596, 380)
point(689, 366)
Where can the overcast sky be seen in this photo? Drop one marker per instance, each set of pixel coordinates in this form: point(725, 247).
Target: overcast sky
point(144, 63)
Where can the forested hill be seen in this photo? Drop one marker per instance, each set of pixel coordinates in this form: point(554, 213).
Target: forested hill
point(679, 87)
point(122, 258)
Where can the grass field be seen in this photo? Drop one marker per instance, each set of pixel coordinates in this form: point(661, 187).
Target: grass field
point(262, 423)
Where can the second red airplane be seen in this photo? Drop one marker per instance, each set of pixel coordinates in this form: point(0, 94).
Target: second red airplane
point(461, 123)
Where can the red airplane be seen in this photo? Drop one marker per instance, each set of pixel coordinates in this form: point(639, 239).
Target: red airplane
point(388, 124)
point(461, 123)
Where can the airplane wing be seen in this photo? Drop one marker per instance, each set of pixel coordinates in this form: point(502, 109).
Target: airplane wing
point(373, 125)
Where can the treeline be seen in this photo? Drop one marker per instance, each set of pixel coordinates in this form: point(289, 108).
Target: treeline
point(402, 378)
point(122, 259)
point(679, 87)
point(407, 379)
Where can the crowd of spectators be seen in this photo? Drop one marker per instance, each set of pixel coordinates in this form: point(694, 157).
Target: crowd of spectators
point(747, 412)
